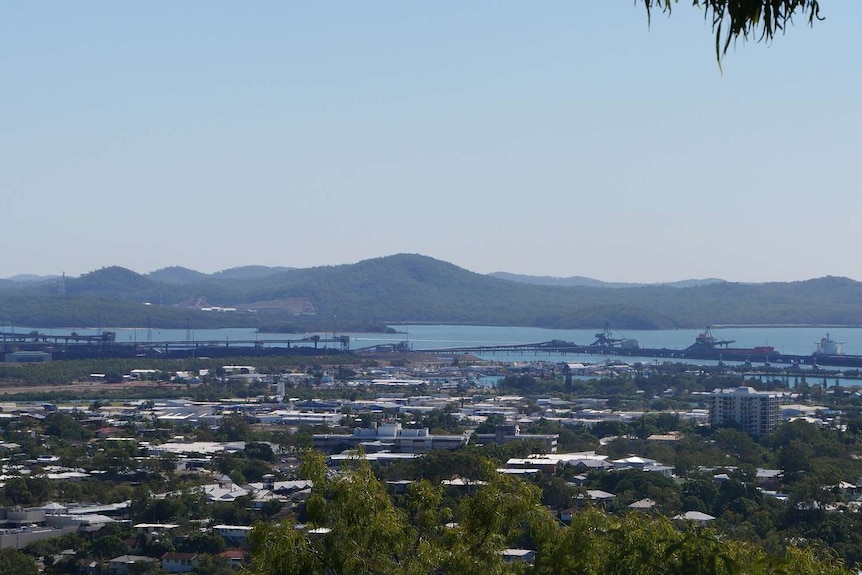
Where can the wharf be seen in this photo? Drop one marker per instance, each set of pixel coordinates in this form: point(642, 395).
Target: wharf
point(75, 346)
point(556, 347)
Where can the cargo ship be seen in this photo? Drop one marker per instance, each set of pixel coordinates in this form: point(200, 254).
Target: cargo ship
point(707, 346)
point(828, 346)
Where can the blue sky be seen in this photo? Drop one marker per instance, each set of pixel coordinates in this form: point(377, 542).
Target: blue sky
point(555, 138)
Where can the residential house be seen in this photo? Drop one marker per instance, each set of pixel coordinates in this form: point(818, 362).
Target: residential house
point(174, 562)
point(233, 534)
point(121, 565)
point(234, 557)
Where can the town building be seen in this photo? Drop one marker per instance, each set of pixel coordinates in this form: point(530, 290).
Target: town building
point(506, 433)
point(756, 412)
point(388, 437)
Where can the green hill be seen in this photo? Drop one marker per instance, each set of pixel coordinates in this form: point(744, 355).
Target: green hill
point(248, 272)
point(407, 288)
point(114, 281)
point(177, 275)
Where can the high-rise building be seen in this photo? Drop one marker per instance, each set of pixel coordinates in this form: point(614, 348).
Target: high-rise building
point(756, 412)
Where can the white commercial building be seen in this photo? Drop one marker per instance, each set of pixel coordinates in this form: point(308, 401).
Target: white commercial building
point(389, 437)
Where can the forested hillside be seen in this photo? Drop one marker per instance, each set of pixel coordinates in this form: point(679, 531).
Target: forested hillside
point(412, 288)
point(590, 282)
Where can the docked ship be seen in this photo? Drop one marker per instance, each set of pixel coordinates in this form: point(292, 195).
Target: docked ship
point(828, 346)
point(707, 346)
point(828, 353)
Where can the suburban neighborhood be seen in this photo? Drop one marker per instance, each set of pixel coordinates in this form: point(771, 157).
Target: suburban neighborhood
point(178, 485)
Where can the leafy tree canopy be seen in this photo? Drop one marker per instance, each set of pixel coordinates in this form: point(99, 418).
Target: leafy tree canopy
point(13, 561)
point(354, 528)
point(748, 19)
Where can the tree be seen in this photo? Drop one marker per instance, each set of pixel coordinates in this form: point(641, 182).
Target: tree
point(442, 464)
point(234, 427)
point(490, 424)
point(162, 510)
point(17, 492)
point(145, 568)
point(596, 543)
point(700, 495)
point(741, 445)
point(65, 426)
point(746, 19)
point(355, 528)
point(212, 565)
point(503, 513)
point(259, 450)
point(202, 543)
point(795, 459)
point(107, 547)
point(441, 421)
point(13, 561)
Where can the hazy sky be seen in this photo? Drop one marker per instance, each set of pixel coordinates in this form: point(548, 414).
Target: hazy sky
point(554, 138)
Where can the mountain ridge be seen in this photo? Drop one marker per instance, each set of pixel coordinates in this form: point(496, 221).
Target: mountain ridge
point(591, 282)
point(404, 288)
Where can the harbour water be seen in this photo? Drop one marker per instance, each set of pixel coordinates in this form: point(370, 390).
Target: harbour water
point(791, 340)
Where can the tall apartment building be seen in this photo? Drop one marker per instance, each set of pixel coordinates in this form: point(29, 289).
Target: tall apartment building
point(756, 412)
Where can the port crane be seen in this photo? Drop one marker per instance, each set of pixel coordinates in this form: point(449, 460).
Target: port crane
point(606, 338)
point(707, 339)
